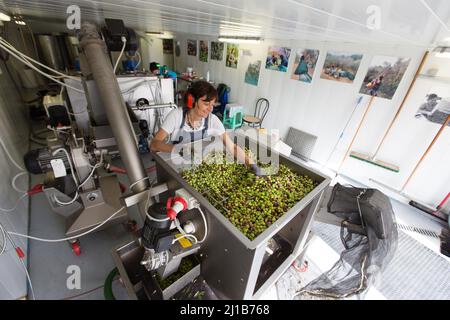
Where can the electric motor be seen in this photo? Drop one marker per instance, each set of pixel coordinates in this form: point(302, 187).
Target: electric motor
point(39, 160)
point(156, 231)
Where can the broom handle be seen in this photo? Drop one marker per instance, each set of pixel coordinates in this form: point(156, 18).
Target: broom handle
point(422, 63)
point(356, 133)
point(443, 201)
point(427, 151)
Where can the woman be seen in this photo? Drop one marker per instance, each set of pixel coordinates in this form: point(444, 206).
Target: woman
point(184, 125)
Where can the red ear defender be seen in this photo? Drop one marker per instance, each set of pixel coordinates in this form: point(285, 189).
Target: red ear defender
point(189, 100)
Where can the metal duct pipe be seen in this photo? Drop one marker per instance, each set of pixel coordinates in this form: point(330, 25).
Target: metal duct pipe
point(94, 49)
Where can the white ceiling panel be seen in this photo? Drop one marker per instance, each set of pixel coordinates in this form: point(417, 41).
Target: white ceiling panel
point(403, 22)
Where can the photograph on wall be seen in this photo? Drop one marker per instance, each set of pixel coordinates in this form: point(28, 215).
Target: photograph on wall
point(435, 106)
point(217, 50)
point(232, 55)
point(384, 76)
point(167, 46)
point(278, 58)
point(305, 64)
point(341, 66)
point(203, 55)
point(192, 47)
point(252, 73)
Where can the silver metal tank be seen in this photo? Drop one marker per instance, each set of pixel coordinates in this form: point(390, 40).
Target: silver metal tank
point(233, 266)
point(49, 51)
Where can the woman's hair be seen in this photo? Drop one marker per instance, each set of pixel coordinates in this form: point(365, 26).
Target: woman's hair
point(202, 88)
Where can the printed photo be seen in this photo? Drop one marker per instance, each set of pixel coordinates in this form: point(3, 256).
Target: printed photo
point(252, 73)
point(192, 47)
point(341, 66)
point(278, 58)
point(167, 46)
point(305, 64)
point(203, 55)
point(435, 107)
point(384, 76)
point(232, 55)
point(217, 50)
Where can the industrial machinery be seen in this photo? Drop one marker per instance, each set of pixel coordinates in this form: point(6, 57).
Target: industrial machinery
point(77, 158)
point(179, 222)
point(230, 266)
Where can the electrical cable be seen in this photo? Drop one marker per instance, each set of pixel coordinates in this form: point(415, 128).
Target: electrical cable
point(29, 64)
point(78, 113)
point(69, 159)
point(20, 255)
point(9, 155)
point(73, 177)
point(16, 205)
point(33, 139)
point(140, 180)
point(139, 61)
point(124, 40)
point(13, 182)
point(42, 72)
point(157, 220)
point(148, 197)
point(29, 60)
point(3, 234)
point(97, 165)
point(69, 238)
point(186, 235)
point(183, 233)
point(206, 224)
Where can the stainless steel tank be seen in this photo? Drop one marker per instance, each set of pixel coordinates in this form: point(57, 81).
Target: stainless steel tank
point(49, 51)
point(233, 266)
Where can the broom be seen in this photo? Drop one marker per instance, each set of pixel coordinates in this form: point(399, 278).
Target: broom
point(372, 159)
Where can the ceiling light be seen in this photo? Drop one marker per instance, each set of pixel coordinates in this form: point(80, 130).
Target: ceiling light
point(160, 34)
point(19, 20)
point(442, 52)
point(4, 17)
point(240, 24)
point(236, 39)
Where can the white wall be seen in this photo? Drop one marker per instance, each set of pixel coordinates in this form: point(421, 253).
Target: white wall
point(152, 50)
point(323, 107)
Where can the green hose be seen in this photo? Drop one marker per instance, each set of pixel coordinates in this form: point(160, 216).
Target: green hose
point(107, 289)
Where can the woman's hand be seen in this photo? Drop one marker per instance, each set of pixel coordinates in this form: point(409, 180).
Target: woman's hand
point(158, 144)
point(257, 170)
point(238, 153)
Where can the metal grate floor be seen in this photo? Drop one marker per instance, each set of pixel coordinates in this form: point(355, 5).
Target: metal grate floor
point(422, 231)
point(415, 272)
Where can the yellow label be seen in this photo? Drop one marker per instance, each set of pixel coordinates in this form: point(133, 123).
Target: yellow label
point(185, 243)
